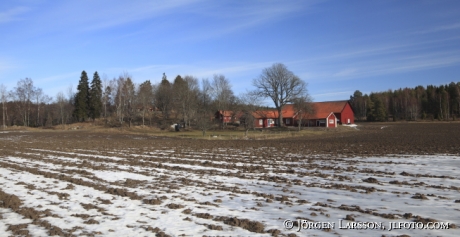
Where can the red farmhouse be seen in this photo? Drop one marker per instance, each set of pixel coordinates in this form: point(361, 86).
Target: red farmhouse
point(224, 116)
point(341, 109)
point(326, 114)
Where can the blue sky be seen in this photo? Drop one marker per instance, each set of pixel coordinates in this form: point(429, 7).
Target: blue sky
point(337, 47)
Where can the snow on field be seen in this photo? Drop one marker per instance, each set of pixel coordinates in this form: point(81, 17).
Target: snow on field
point(196, 193)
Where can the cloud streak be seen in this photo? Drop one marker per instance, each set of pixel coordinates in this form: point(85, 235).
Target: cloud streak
point(12, 14)
point(135, 12)
point(201, 70)
point(437, 29)
point(394, 66)
point(243, 16)
point(88, 16)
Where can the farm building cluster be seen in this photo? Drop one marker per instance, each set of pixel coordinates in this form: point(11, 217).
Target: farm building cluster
point(323, 114)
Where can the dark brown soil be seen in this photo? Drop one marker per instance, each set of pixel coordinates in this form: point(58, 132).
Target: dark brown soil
point(253, 226)
point(368, 139)
point(174, 154)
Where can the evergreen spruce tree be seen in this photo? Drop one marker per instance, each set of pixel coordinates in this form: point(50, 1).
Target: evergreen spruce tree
point(95, 97)
point(81, 98)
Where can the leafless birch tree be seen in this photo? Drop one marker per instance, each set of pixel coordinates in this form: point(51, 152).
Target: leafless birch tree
point(3, 98)
point(145, 98)
point(248, 103)
point(61, 102)
point(303, 108)
point(24, 94)
point(204, 112)
point(185, 96)
point(222, 94)
point(164, 98)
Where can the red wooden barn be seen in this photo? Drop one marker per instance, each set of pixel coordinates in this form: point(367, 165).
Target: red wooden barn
point(224, 116)
point(342, 111)
point(326, 114)
point(265, 118)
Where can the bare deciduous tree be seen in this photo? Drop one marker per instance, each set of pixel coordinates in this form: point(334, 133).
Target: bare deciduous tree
point(61, 102)
point(41, 99)
point(145, 98)
point(185, 97)
point(204, 112)
point(248, 103)
point(3, 99)
point(303, 107)
point(125, 97)
point(120, 98)
point(164, 98)
point(106, 94)
point(129, 92)
point(280, 85)
point(23, 94)
point(190, 98)
point(222, 94)
point(38, 96)
point(69, 105)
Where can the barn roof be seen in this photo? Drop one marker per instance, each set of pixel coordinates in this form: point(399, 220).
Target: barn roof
point(332, 106)
point(269, 114)
point(229, 113)
point(226, 113)
point(322, 109)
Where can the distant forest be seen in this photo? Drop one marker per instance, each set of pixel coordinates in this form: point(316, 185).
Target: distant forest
point(120, 101)
point(427, 103)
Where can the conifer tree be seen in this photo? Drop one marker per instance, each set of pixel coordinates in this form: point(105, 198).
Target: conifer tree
point(81, 98)
point(164, 97)
point(95, 97)
point(145, 98)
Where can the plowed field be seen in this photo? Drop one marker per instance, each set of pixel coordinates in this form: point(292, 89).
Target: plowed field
point(380, 180)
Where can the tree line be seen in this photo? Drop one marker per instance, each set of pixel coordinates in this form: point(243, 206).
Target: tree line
point(192, 103)
point(121, 102)
point(25, 105)
point(427, 103)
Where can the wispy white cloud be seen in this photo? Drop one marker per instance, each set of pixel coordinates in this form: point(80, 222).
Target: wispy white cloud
point(210, 19)
point(6, 64)
point(13, 14)
point(245, 15)
point(5, 78)
point(60, 77)
point(393, 65)
point(423, 63)
point(396, 48)
point(335, 95)
point(229, 69)
point(436, 29)
point(199, 70)
point(126, 12)
point(345, 72)
point(332, 93)
point(384, 58)
point(86, 15)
